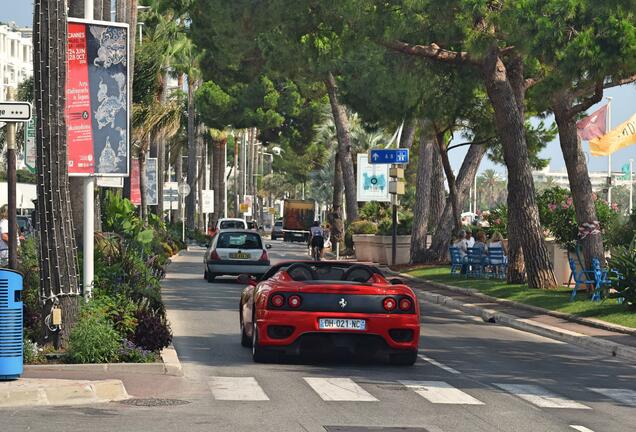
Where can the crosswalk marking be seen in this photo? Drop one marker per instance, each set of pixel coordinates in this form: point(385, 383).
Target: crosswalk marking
point(540, 397)
point(237, 389)
point(581, 428)
point(438, 364)
point(440, 392)
point(625, 396)
point(339, 389)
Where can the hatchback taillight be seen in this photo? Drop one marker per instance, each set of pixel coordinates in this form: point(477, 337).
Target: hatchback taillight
point(277, 300)
point(214, 256)
point(389, 304)
point(406, 304)
point(294, 301)
point(264, 256)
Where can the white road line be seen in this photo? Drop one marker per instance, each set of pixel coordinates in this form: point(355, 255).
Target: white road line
point(540, 397)
point(624, 396)
point(237, 389)
point(339, 389)
point(440, 392)
point(439, 365)
point(581, 428)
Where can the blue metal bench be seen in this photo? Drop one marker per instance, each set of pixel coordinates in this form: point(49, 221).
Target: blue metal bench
point(475, 262)
point(456, 260)
point(497, 261)
point(581, 278)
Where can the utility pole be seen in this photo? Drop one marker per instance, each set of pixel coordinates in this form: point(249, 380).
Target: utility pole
point(89, 209)
point(236, 181)
point(11, 185)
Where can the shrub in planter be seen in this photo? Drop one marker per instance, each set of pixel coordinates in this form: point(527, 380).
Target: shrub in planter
point(118, 309)
point(153, 331)
point(624, 261)
point(93, 340)
point(32, 353)
point(131, 353)
point(363, 227)
point(405, 225)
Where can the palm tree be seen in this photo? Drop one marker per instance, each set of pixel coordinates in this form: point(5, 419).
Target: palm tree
point(489, 182)
point(58, 253)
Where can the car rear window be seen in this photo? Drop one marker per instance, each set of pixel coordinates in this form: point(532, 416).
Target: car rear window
point(239, 241)
point(279, 224)
point(232, 224)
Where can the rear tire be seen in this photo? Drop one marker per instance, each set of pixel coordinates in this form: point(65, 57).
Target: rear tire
point(404, 358)
point(259, 354)
point(245, 340)
point(210, 277)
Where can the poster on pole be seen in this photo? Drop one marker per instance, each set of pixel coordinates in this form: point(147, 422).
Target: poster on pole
point(151, 182)
point(97, 99)
point(30, 152)
point(372, 181)
point(208, 201)
point(248, 200)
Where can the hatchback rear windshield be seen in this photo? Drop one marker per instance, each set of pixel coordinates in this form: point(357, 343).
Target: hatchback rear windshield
point(279, 223)
point(232, 225)
point(239, 241)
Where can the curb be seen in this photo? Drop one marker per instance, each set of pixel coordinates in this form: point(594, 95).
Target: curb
point(28, 392)
point(169, 365)
point(568, 317)
point(492, 316)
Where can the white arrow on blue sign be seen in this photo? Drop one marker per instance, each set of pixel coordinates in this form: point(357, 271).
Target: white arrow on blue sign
point(389, 156)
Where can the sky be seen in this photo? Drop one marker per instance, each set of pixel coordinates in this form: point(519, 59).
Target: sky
point(623, 107)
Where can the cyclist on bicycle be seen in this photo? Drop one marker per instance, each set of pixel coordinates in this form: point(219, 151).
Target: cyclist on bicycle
point(317, 238)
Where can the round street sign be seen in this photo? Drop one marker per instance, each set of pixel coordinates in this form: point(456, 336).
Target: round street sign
point(184, 189)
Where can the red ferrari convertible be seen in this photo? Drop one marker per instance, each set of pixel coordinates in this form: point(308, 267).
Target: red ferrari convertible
point(313, 308)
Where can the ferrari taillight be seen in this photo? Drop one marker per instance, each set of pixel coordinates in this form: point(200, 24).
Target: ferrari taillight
point(214, 256)
point(278, 300)
point(406, 304)
point(294, 301)
point(389, 304)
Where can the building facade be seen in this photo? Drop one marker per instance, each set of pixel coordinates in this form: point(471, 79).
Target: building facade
point(16, 57)
point(598, 179)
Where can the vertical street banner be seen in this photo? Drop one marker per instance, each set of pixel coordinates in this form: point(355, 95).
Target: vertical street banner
point(97, 99)
point(208, 201)
point(372, 181)
point(151, 182)
point(30, 152)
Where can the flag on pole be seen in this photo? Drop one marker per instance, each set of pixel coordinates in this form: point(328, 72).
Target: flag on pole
point(621, 137)
point(594, 125)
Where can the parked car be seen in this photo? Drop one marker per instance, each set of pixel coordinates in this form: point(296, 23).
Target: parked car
point(277, 230)
point(24, 224)
point(252, 225)
point(312, 308)
point(234, 252)
point(227, 223)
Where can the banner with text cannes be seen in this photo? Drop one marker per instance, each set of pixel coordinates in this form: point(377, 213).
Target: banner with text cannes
point(373, 180)
point(97, 99)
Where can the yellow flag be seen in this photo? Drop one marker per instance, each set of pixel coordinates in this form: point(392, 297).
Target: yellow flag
point(621, 137)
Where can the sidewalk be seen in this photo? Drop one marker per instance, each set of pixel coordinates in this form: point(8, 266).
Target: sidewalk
point(603, 337)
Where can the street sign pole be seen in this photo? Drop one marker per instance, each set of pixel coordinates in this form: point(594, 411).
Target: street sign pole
point(89, 210)
point(11, 185)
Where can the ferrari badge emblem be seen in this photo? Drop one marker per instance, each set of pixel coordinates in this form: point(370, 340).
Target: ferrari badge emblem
point(342, 303)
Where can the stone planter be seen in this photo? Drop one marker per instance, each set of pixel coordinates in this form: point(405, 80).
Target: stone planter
point(376, 248)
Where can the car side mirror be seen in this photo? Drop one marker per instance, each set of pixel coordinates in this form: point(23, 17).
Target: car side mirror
point(245, 279)
point(268, 246)
point(396, 281)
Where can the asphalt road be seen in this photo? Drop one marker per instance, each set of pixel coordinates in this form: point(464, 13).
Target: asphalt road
point(472, 376)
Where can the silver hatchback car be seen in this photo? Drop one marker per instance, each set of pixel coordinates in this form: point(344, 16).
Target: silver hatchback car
point(234, 252)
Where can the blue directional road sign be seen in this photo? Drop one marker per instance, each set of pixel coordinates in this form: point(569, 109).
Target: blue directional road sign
point(389, 156)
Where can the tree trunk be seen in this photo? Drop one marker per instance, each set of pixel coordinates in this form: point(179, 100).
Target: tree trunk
point(161, 153)
point(142, 185)
point(58, 262)
point(335, 218)
point(408, 134)
point(578, 175)
point(130, 16)
point(220, 167)
point(179, 174)
point(421, 209)
point(516, 270)
point(444, 229)
point(120, 10)
point(344, 148)
point(192, 160)
point(509, 120)
point(200, 177)
point(450, 179)
point(438, 191)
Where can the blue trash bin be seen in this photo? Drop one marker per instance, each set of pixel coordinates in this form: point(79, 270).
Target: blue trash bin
point(11, 325)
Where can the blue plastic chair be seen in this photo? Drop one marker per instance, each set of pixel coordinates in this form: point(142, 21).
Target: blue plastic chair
point(456, 260)
point(601, 281)
point(498, 261)
point(475, 262)
point(581, 278)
